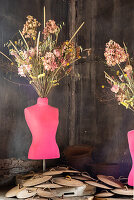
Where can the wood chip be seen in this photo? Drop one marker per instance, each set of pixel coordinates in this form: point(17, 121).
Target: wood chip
point(87, 176)
point(104, 194)
point(68, 182)
point(96, 184)
point(26, 193)
point(71, 171)
point(81, 178)
point(36, 180)
point(109, 180)
point(14, 191)
point(125, 191)
point(52, 173)
point(48, 185)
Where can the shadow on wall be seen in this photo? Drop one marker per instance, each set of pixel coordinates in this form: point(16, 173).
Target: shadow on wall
point(14, 133)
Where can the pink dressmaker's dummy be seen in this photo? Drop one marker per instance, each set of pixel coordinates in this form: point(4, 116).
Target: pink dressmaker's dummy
point(42, 121)
point(131, 148)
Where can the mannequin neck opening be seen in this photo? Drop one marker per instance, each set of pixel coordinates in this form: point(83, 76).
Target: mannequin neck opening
point(42, 101)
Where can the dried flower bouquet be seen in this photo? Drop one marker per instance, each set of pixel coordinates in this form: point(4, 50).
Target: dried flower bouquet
point(39, 58)
point(122, 78)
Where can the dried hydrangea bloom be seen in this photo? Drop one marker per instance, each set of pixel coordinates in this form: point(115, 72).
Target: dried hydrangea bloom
point(50, 28)
point(114, 53)
point(49, 62)
point(30, 27)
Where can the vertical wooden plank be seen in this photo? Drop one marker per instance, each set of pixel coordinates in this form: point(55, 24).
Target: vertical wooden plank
point(85, 127)
point(93, 65)
point(116, 20)
point(72, 13)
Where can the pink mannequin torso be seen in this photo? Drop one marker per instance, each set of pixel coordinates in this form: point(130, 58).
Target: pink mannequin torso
point(131, 148)
point(42, 121)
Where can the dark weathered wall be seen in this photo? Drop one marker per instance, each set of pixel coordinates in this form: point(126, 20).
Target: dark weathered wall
point(83, 118)
point(103, 125)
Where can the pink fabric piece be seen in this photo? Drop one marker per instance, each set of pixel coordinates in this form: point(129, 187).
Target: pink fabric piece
point(42, 121)
point(131, 148)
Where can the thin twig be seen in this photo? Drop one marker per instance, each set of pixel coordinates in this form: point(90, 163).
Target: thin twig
point(76, 32)
point(38, 43)
point(6, 56)
point(14, 46)
point(24, 40)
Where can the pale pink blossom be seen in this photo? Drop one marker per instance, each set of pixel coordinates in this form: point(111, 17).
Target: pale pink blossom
point(20, 71)
point(23, 69)
point(25, 54)
point(28, 67)
point(57, 52)
point(115, 88)
point(32, 52)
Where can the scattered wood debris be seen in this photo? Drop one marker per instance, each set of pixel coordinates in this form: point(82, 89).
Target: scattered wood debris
point(63, 182)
